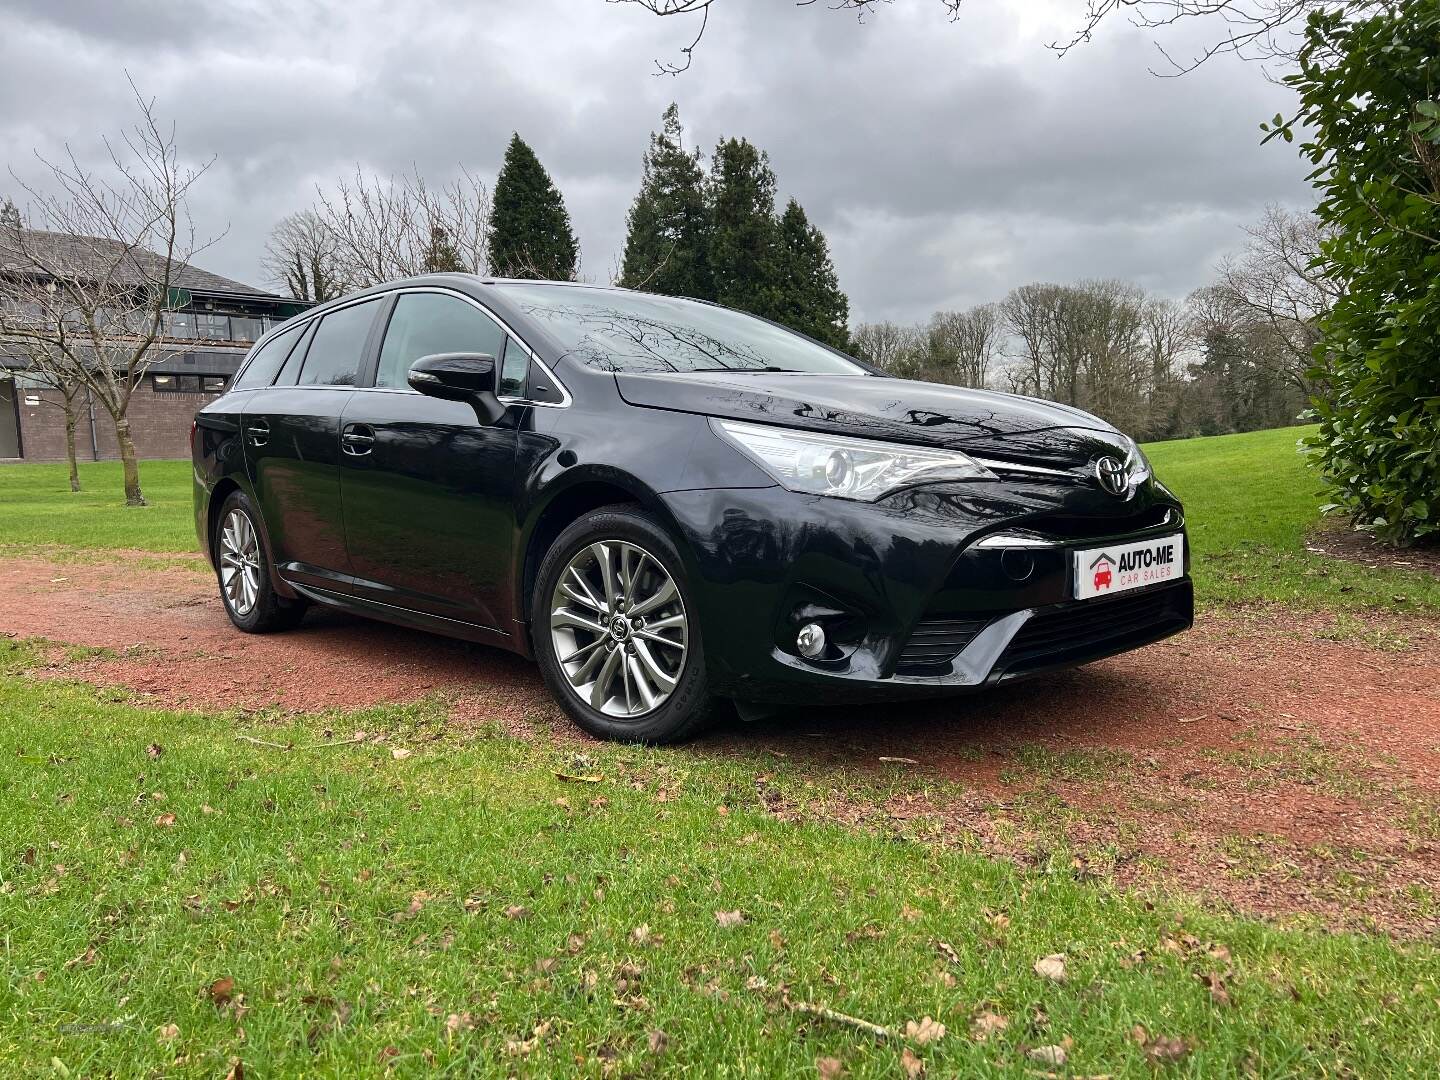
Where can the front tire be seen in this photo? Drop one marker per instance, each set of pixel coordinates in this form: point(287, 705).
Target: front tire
point(242, 565)
point(616, 632)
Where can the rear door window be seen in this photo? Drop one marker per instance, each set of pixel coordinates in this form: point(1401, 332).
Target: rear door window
point(338, 346)
point(428, 323)
point(267, 360)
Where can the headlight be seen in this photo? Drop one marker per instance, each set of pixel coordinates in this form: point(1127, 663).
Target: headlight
point(846, 468)
point(1137, 466)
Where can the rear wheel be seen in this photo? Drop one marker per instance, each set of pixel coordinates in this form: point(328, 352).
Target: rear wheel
point(615, 632)
point(242, 564)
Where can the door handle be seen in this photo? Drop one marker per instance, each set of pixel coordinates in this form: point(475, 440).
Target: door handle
point(357, 440)
point(258, 432)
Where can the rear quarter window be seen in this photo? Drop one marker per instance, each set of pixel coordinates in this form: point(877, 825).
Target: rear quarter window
point(266, 362)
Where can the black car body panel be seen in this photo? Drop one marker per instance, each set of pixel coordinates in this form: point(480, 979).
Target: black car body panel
point(405, 508)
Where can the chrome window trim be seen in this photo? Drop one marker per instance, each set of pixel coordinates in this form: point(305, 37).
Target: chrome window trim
point(566, 399)
point(302, 322)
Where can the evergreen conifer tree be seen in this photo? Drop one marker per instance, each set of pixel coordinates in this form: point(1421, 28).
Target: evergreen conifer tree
point(530, 231)
point(809, 298)
point(665, 247)
point(744, 250)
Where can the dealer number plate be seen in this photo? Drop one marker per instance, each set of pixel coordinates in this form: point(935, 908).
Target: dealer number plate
point(1104, 571)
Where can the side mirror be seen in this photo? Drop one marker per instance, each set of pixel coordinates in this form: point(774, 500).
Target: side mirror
point(467, 377)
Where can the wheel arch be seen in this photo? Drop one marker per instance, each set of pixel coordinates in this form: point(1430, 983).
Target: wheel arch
point(573, 502)
point(223, 489)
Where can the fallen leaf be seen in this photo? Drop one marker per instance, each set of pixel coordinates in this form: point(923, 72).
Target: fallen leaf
point(925, 1032)
point(399, 753)
point(1216, 985)
point(1166, 1048)
point(1047, 1055)
point(998, 919)
point(457, 1022)
point(727, 919)
point(641, 934)
point(829, 1068)
point(909, 914)
point(237, 1070)
point(166, 821)
point(154, 749)
point(572, 778)
point(659, 1042)
point(1051, 967)
point(911, 1065)
point(515, 911)
point(987, 1024)
point(221, 990)
point(168, 1033)
point(948, 951)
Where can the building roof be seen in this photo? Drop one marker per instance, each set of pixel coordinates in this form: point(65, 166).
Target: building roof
point(135, 267)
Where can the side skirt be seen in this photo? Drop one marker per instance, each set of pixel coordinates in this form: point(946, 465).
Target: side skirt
point(416, 620)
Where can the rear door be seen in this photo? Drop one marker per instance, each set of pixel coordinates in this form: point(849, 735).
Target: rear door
point(428, 491)
point(292, 446)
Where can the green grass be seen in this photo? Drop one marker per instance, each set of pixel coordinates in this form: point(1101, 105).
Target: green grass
point(38, 509)
point(359, 902)
point(1250, 500)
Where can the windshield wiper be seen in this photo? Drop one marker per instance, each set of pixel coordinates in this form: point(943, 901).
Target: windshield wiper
point(786, 370)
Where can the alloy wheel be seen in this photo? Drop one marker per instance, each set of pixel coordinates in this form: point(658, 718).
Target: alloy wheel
point(240, 562)
point(619, 629)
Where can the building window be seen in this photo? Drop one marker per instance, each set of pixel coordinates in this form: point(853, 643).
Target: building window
point(187, 384)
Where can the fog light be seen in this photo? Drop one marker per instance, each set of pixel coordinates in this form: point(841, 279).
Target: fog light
point(811, 641)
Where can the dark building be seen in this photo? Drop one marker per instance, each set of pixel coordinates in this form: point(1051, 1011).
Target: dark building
point(212, 325)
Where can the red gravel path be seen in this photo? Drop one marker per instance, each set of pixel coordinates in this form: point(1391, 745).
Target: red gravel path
point(1252, 760)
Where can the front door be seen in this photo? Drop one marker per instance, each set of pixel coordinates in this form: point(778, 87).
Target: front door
point(292, 447)
point(428, 491)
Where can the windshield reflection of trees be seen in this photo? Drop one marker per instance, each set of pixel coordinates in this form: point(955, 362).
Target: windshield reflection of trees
point(621, 341)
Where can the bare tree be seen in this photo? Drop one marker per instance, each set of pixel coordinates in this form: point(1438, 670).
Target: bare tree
point(889, 346)
point(961, 345)
point(301, 257)
point(98, 266)
point(46, 368)
point(1030, 314)
point(1252, 29)
point(1281, 282)
point(385, 228)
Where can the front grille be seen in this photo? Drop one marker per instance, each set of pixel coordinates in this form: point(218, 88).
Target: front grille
point(1089, 527)
point(935, 644)
point(1096, 628)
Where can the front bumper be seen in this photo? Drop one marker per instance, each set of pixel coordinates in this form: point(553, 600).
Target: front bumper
point(932, 592)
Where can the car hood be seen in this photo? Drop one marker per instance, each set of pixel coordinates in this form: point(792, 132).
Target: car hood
point(1005, 426)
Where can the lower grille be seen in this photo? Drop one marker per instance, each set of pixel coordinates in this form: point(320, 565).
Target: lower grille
point(1090, 630)
point(935, 644)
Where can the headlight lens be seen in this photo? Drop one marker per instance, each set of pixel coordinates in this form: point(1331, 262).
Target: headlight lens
point(1137, 465)
point(846, 468)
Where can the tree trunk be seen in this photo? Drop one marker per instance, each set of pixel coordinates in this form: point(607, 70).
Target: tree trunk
point(128, 463)
point(71, 420)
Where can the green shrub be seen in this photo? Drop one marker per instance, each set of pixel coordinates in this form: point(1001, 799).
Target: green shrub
point(1370, 94)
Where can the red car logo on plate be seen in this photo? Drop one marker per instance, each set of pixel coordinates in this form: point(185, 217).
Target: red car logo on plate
point(1102, 566)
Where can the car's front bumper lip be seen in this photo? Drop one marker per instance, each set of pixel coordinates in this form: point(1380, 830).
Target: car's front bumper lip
point(991, 657)
point(761, 555)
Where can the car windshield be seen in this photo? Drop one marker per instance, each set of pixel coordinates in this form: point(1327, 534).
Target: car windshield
point(639, 332)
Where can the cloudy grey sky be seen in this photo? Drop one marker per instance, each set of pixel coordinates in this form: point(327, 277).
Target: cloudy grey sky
point(946, 162)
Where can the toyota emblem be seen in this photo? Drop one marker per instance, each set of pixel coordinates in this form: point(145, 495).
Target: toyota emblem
point(1112, 474)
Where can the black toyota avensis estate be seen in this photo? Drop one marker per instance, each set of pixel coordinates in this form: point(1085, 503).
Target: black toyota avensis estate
point(669, 504)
